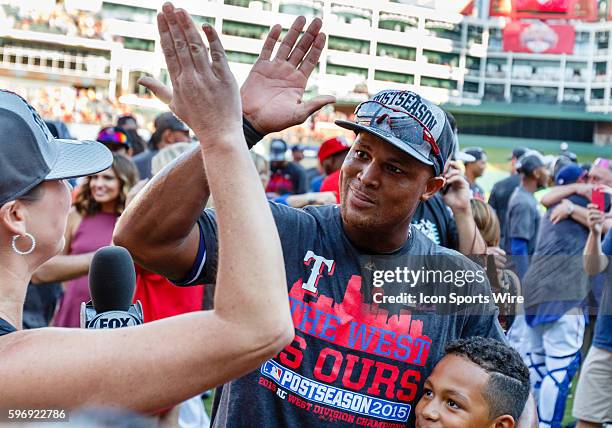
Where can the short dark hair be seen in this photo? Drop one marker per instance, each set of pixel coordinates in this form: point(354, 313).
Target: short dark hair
point(122, 120)
point(508, 387)
point(451, 120)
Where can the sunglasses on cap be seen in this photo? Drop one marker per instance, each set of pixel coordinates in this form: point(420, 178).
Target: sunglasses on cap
point(397, 117)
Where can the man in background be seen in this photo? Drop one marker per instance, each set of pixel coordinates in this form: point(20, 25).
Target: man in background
point(556, 288)
point(297, 152)
point(523, 221)
point(128, 123)
point(286, 177)
point(168, 130)
point(502, 190)
point(331, 156)
point(475, 169)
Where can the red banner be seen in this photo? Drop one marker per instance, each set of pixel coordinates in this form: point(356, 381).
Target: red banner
point(541, 6)
point(500, 8)
point(585, 10)
point(539, 37)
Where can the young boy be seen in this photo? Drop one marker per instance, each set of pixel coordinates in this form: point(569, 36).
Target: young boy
point(480, 382)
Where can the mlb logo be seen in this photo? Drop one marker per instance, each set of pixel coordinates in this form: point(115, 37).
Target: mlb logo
point(276, 373)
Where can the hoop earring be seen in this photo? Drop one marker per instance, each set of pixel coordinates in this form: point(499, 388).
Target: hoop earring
point(23, 253)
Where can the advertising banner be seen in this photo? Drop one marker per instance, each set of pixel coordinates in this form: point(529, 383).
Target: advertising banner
point(538, 37)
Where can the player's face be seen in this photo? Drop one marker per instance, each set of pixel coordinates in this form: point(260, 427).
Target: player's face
point(452, 396)
point(481, 166)
point(381, 186)
point(599, 175)
point(542, 176)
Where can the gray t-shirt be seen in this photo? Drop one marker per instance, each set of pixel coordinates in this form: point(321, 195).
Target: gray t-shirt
point(143, 163)
point(523, 218)
point(352, 362)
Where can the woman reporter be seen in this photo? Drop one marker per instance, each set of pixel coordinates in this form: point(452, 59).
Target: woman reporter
point(98, 204)
point(159, 364)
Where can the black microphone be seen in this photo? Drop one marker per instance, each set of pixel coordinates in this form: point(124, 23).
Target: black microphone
point(112, 281)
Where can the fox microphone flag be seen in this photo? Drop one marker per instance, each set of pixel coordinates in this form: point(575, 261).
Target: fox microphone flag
point(112, 281)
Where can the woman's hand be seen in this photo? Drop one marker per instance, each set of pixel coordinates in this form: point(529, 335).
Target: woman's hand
point(200, 84)
point(272, 95)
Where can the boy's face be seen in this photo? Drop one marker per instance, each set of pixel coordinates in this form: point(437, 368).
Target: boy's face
point(452, 396)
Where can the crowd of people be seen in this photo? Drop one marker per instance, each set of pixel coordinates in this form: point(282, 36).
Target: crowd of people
point(271, 258)
point(58, 20)
point(72, 105)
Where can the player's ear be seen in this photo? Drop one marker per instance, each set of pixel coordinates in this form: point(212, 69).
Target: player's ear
point(433, 185)
point(504, 421)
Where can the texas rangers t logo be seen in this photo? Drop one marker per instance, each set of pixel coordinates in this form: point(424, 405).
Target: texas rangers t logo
point(320, 263)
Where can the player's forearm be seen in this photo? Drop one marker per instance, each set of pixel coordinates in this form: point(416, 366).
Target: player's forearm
point(579, 214)
point(251, 272)
point(557, 194)
point(594, 259)
point(63, 268)
point(166, 210)
point(81, 369)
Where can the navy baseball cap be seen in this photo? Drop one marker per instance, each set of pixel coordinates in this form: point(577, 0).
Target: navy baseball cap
point(569, 174)
point(517, 152)
point(278, 150)
point(409, 122)
point(30, 154)
point(477, 153)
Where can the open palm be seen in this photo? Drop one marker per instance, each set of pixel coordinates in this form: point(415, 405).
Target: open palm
point(272, 93)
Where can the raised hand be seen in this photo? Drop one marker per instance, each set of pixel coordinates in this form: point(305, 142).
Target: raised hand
point(457, 197)
point(595, 219)
point(272, 93)
point(205, 94)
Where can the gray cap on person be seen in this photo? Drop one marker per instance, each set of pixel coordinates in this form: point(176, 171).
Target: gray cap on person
point(529, 162)
point(477, 153)
point(29, 154)
point(168, 120)
point(409, 122)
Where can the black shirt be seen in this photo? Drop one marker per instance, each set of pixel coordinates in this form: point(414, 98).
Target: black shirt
point(6, 328)
point(40, 303)
point(346, 347)
point(499, 199)
point(435, 219)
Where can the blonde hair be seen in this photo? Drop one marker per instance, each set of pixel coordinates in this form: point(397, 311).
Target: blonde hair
point(486, 221)
point(167, 155)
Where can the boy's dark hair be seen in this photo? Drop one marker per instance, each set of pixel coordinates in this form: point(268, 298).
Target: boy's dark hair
point(508, 387)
